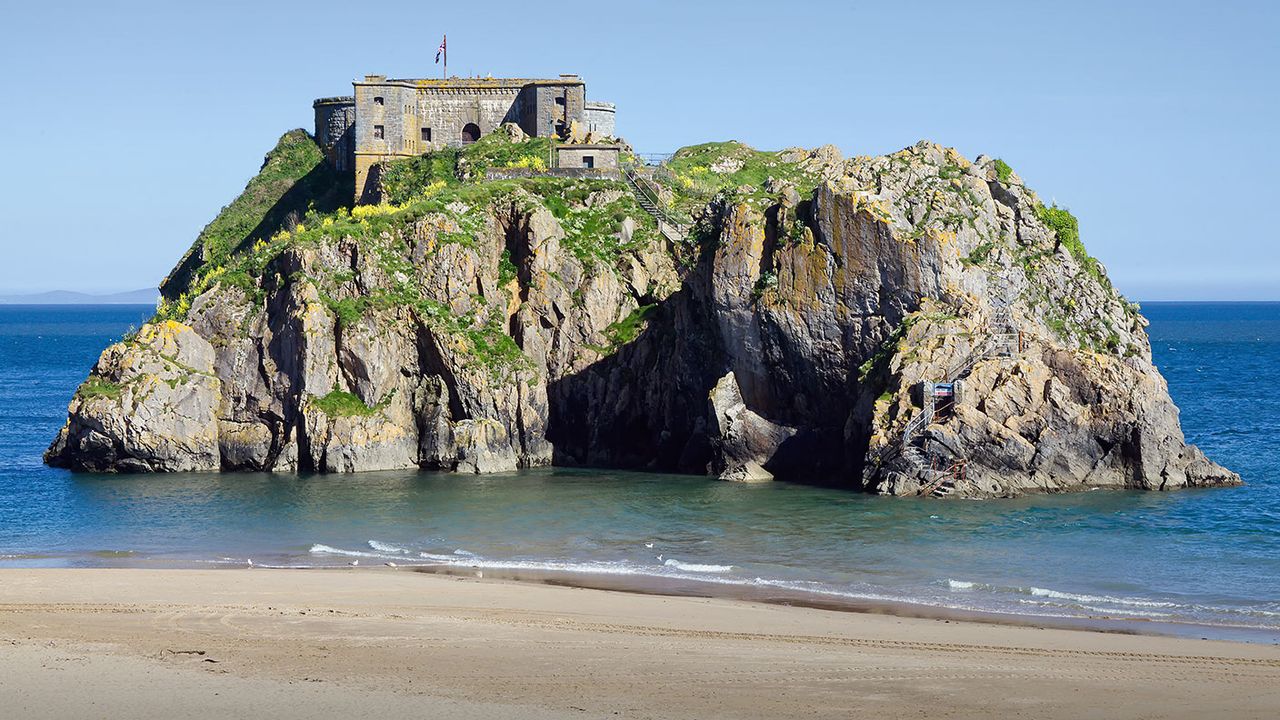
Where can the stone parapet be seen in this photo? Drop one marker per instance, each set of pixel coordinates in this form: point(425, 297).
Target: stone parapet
point(577, 173)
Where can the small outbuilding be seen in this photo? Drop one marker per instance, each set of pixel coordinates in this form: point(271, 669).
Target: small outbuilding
point(588, 156)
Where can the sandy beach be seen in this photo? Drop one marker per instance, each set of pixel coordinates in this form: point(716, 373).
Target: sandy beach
point(391, 643)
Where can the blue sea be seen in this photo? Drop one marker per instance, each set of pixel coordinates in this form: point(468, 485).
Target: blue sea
point(1203, 562)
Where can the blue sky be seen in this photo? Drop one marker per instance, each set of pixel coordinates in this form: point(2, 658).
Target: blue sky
point(129, 124)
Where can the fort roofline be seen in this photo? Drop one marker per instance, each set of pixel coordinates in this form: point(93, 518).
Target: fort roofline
point(458, 83)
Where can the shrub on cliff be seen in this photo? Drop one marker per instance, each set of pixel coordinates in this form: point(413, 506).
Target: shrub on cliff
point(294, 177)
point(1067, 229)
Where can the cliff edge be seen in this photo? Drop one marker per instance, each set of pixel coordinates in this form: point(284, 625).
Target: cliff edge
point(912, 323)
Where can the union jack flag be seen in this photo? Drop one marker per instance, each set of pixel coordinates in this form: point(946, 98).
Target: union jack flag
point(443, 40)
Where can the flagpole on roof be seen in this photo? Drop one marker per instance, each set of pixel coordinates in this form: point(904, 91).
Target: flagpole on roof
point(443, 50)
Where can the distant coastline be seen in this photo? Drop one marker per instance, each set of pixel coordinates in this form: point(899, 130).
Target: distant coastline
point(145, 296)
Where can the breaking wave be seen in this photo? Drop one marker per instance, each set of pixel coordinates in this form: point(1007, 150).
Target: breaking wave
point(696, 567)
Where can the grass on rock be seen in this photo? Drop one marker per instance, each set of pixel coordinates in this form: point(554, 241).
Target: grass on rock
point(344, 404)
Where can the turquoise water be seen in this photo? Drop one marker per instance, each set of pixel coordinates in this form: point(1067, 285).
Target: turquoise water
point(1210, 557)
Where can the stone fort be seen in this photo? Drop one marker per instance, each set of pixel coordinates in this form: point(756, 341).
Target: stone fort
point(396, 118)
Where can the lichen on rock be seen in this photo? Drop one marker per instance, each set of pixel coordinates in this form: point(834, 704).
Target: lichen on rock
point(485, 325)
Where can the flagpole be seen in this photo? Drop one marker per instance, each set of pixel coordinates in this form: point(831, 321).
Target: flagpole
point(445, 43)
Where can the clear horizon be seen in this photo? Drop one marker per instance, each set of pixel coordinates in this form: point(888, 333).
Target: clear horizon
point(139, 121)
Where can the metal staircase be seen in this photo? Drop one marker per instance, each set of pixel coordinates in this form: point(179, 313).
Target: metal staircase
point(647, 197)
point(1002, 341)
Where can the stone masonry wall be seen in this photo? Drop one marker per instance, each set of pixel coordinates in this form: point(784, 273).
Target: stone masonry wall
point(335, 130)
point(574, 157)
point(599, 118)
point(393, 117)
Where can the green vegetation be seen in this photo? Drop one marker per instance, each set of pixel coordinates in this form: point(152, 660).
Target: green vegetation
point(1067, 229)
point(767, 281)
point(348, 311)
point(495, 349)
point(402, 180)
point(292, 159)
point(98, 387)
point(1057, 324)
point(628, 328)
point(432, 183)
point(592, 232)
point(1064, 225)
point(979, 255)
point(506, 269)
point(946, 186)
point(1093, 331)
point(875, 369)
point(698, 173)
point(879, 362)
point(1003, 172)
point(1112, 343)
point(496, 150)
point(434, 200)
point(293, 178)
point(345, 404)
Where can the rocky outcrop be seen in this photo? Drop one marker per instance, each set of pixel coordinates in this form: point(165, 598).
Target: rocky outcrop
point(745, 441)
point(151, 405)
point(483, 326)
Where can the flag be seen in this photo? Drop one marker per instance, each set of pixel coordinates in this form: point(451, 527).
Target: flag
point(443, 40)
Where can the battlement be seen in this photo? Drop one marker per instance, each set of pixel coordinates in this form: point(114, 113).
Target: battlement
point(459, 83)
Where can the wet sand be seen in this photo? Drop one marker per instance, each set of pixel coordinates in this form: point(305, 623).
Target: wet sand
point(378, 642)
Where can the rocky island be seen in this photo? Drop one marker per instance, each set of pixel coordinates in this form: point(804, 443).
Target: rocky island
point(916, 323)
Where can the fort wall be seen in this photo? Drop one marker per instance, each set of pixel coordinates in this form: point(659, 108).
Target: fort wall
point(599, 118)
point(392, 118)
point(335, 130)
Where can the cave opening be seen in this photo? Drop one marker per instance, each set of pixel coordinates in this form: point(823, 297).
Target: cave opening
point(517, 259)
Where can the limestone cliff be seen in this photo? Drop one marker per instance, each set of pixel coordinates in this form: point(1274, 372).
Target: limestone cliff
point(485, 325)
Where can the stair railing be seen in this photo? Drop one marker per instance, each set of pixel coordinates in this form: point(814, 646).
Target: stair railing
point(1002, 340)
point(650, 200)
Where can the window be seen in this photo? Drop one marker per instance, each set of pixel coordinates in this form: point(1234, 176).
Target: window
point(560, 101)
point(588, 161)
point(377, 101)
point(426, 134)
point(470, 133)
point(377, 132)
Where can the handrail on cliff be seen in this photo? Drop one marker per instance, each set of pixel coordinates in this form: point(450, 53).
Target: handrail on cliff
point(1002, 340)
point(953, 473)
point(649, 198)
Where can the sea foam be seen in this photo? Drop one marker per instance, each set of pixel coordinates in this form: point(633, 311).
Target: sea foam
point(696, 567)
point(387, 548)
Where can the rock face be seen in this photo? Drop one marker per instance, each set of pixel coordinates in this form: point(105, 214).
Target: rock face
point(151, 406)
point(487, 326)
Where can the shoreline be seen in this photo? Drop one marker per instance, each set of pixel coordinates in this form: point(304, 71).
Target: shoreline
point(383, 643)
point(659, 585)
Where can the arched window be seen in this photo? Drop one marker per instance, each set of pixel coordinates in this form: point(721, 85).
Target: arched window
point(470, 133)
